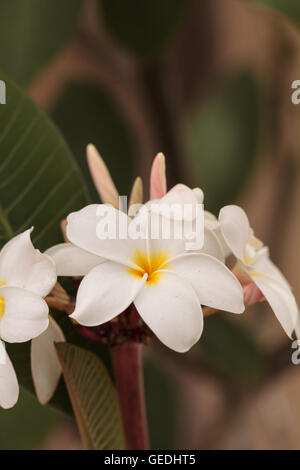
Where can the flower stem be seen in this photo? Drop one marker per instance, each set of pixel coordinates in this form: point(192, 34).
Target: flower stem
point(128, 372)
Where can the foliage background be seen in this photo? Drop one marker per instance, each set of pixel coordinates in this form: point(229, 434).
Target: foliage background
point(209, 84)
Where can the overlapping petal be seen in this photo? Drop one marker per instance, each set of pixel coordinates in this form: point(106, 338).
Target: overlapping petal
point(265, 266)
point(106, 291)
point(212, 245)
point(25, 315)
point(73, 261)
point(235, 229)
point(172, 311)
point(86, 227)
point(45, 365)
point(42, 276)
point(281, 300)
point(21, 265)
point(212, 224)
point(213, 282)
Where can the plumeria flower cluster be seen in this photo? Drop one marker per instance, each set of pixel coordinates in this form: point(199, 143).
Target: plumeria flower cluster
point(169, 287)
point(133, 287)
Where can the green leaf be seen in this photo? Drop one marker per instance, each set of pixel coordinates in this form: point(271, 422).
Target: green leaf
point(32, 32)
point(231, 350)
point(221, 137)
point(144, 27)
point(96, 121)
point(290, 8)
point(26, 425)
point(40, 182)
point(93, 398)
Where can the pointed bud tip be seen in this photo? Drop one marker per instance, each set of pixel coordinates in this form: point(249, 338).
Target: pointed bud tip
point(136, 195)
point(158, 183)
point(92, 152)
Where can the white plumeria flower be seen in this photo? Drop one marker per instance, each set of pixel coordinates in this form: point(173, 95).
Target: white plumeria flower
point(166, 284)
point(26, 276)
point(254, 260)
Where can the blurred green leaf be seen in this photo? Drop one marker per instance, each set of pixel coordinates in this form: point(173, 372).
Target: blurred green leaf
point(144, 27)
point(86, 115)
point(231, 350)
point(26, 425)
point(221, 137)
point(32, 32)
point(93, 398)
point(162, 406)
point(290, 8)
point(40, 183)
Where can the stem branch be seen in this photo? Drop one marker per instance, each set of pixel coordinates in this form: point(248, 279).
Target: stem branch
point(128, 372)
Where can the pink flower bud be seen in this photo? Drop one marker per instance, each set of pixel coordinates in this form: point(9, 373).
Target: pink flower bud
point(158, 181)
point(101, 177)
point(252, 294)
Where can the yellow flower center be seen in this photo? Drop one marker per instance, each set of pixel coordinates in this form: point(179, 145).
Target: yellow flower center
point(2, 300)
point(2, 306)
point(150, 264)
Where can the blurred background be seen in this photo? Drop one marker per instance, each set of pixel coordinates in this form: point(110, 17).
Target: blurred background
point(208, 83)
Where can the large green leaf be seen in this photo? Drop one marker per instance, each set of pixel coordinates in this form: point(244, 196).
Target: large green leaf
point(290, 8)
point(31, 32)
point(93, 398)
point(231, 350)
point(143, 27)
point(221, 137)
point(97, 120)
point(40, 183)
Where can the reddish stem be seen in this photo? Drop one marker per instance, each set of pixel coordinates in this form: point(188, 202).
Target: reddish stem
point(128, 372)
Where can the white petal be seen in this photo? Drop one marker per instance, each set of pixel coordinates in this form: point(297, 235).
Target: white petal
point(199, 195)
point(42, 276)
point(181, 197)
point(211, 223)
point(86, 227)
point(213, 282)
point(297, 328)
point(9, 387)
point(281, 300)
point(21, 265)
point(45, 365)
point(235, 229)
point(167, 235)
point(73, 261)
point(265, 266)
point(105, 292)
point(25, 315)
point(2, 353)
point(171, 310)
point(212, 245)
